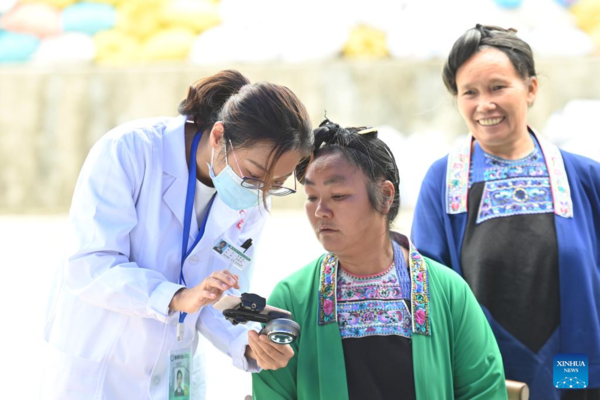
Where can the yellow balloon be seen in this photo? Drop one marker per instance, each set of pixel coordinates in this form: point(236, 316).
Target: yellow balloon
point(140, 18)
point(116, 47)
point(587, 14)
point(366, 42)
point(168, 44)
point(595, 35)
point(196, 15)
point(111, 2)
point(53, 3)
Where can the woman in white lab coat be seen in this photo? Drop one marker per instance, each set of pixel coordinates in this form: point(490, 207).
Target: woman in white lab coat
point(118, 327)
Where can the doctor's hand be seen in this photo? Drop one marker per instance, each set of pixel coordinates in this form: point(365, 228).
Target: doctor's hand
point(209, 291)
point(267, 354)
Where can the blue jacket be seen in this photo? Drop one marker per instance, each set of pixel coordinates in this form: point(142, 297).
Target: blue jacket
point(438, 230)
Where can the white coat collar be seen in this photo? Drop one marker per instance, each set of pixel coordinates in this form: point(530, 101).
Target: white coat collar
point(221, 217)
point(174, 160)
point(175, 166)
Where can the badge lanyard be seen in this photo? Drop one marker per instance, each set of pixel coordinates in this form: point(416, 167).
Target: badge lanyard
point(189, 205)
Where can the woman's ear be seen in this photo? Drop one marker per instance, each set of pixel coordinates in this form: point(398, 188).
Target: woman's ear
point(532, 88)
point(216, 135)
point(388, 191)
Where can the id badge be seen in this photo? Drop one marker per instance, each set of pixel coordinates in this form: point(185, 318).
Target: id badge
point(232, 253)
point(180, 372)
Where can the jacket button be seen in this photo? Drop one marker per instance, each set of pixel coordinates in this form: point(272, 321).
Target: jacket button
point(194, 259)
point(155, 380)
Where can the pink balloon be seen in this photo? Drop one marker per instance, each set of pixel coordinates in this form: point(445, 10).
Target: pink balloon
point(36, 19)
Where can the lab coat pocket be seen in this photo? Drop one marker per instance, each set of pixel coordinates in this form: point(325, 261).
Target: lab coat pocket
point(69, 377)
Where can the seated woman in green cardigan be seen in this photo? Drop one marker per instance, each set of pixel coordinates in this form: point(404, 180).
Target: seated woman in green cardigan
point(379, 321)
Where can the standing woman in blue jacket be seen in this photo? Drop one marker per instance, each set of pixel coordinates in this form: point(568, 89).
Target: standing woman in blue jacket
point(518, 218)
point(153, 199)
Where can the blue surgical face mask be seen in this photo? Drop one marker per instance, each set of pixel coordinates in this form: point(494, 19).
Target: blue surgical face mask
point(230, 189)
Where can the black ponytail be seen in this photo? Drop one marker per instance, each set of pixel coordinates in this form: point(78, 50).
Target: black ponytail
point(206, 97)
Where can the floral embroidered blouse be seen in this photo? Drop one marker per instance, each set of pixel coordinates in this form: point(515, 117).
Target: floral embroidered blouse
point(372, 305)
point(451, 350)
point(376, 327)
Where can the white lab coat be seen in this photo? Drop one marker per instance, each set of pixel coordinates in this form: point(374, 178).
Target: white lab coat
point(109, 329)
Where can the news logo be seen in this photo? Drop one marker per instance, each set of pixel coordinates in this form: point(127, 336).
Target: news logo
point(570, 371)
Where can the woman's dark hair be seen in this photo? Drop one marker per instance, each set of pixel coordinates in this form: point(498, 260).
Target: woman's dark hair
point(251, 114)
point(366, 152)
point(518, 51)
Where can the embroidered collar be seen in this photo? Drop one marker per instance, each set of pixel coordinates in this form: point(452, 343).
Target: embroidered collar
point(457, 177)
point(419, 291)
point(366, 277)
point(492, 160)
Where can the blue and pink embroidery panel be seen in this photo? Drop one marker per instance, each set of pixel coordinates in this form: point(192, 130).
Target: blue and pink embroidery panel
point(378, 304)
point(372, 305)
point(512, 187)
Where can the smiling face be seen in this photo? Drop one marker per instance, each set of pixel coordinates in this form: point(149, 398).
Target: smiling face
point(338, 206)
point(493, 100)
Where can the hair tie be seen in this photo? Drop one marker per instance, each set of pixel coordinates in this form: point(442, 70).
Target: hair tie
point(482, 29)
point(326, 133)
point(367, 131)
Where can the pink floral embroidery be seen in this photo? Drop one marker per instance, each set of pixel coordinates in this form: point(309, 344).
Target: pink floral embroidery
point(420, 317)
point(420, 293)
point(457, 179)
point(328, 307)
point(559, 183)
point(374, 317)
point(327, 290)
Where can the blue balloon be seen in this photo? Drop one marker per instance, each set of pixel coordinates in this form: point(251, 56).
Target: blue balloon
point(88, 18)
point(16, 47)
point(566, 3)
point(509, 3)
